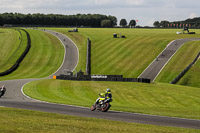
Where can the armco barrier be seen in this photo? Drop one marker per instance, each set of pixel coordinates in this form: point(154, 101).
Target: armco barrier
point(175, 80)
point(16, 65)
point(115, 78)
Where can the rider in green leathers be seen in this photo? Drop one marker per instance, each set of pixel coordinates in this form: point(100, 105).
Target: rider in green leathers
point(107, 95)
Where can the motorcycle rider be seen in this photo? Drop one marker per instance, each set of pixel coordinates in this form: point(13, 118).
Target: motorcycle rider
point(108, 97)
point(2, 90)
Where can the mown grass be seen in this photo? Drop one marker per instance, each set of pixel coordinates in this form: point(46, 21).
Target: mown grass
point(12, 45)
point(157, 99)
point(23, 121)
point(192, 77)
point(44, 58)
point(128, 57)
point(179, 62)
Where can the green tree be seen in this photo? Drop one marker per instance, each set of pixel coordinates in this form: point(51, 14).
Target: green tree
point(123, 22)
point(113, 20)
point(164, 23)
point(132, 23)
point(106, 23)
point(156, 24)
point(89, 20)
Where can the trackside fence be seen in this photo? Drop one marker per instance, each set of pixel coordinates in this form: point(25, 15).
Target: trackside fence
point(175, 80)
point(116, 78)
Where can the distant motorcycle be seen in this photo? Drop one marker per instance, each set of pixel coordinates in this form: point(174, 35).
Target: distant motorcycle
point(2, 91)
point(103, 105)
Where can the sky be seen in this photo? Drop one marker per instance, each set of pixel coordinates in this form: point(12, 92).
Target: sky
point(145, 11)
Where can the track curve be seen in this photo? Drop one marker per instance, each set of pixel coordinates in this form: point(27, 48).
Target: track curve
point(15, 98)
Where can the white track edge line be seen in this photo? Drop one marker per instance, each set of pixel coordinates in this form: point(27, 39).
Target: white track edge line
point(74, 44)
point(167, 62)
point(87, 107)
point(46, 101)
point(158, 55)
point(63, 58)
point(171, 57)
point(110, 110)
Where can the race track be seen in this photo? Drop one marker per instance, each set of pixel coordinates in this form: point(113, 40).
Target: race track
point(15, 98)
point(159, 63)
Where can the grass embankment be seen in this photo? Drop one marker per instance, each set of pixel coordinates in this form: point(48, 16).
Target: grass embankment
point(44, 58)
point(128, 57)
point(179, 62)
point(157, 99)
point(18, 121)
point(12, 45)
point(192, 77)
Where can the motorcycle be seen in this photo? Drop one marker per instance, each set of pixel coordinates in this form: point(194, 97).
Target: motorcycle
point(2, 91)
point(102, 105)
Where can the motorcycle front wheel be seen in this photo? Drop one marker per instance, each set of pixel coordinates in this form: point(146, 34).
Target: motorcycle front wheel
point(106, 107)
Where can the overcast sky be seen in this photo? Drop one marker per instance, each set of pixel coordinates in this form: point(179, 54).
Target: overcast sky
point(145, 11)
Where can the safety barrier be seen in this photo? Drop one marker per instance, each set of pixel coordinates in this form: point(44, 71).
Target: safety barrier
point(175, 80)
point(116, 78)
point(88, 58)
point(16, 65)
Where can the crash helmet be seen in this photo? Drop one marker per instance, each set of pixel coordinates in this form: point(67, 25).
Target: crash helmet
point(108, 90)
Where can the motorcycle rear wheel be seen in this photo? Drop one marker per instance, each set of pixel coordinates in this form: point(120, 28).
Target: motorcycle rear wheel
point(92, 108)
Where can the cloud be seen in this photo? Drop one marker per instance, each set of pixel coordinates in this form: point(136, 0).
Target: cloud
point(103, 2)
point(193, 15)
point(135, 2)
point(23, 4)
point(118, 3)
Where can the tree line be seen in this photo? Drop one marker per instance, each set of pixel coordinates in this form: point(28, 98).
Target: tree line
point(191, 23)
point(78, 20)
point(86, 20)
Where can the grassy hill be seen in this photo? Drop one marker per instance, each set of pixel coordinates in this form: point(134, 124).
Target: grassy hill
point(192, 77)
point(157, 98)
point(12, 45)
point(180, 61)
point(129, 56)
point(44, 58)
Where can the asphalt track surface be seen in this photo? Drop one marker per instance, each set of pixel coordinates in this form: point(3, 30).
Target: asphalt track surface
point(159, 63)
point(14, 97)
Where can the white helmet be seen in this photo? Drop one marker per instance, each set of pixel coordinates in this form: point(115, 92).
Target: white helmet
point(108, 90)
